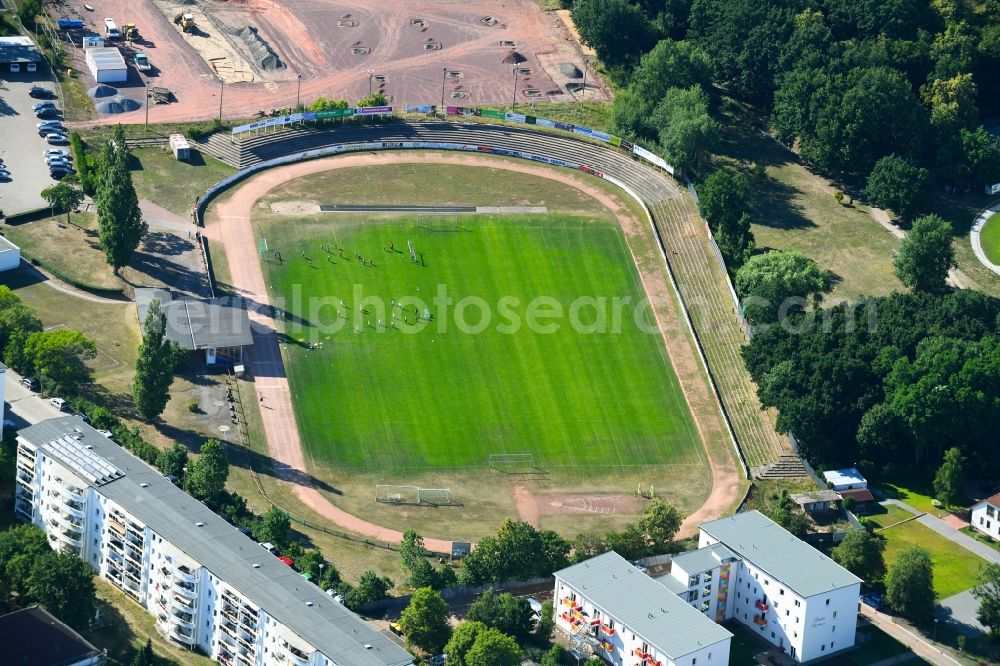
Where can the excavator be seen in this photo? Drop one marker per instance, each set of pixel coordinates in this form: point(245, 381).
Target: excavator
point(185, 21)
point(130, 32)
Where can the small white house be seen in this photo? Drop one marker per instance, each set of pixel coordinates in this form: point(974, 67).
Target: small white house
point(845, 479)
point(107, 64)
point(10, 255)
point(986, 516)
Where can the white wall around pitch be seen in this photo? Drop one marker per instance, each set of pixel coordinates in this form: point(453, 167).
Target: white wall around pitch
point(10, 256)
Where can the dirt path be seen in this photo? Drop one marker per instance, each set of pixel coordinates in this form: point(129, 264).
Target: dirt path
point(228, 223)
point(956, 278)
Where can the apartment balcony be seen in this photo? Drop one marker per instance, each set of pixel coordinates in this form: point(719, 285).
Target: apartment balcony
point(295, 655)
point(608, 631)
point(70, 492)
point(24, 509)
point(27, 453)
point(134, 539)
point(182, 620)
point(225, 657)
point(73, 508)
point(761, 605)
point(187, 592)
point(182, 635)
point(246, 638)
point(569, 602)
point(134, 555)
point(227, 639)
point(24, 475)
point(117, 547)
point(181, 604)
point(72, 537)
point(117, 528)
point(185, 575)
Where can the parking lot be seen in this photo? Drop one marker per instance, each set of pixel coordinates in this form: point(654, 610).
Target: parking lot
point(21, 148)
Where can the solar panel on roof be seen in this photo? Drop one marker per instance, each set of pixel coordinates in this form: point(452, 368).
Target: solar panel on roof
point(86, 463)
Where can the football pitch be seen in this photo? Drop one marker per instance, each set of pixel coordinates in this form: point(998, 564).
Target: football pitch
point(517, 334)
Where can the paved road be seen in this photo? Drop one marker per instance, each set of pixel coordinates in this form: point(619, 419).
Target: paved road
point(23, 407)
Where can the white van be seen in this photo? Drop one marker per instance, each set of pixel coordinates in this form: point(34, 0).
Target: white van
point(111, 29)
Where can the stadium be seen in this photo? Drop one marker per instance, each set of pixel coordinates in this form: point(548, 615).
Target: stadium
point(343, 240)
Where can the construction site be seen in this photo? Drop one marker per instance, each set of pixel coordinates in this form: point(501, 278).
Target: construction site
point(250, 57)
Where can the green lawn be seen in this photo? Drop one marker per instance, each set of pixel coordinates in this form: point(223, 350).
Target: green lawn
point(990, 238)
point(919, 496)
point(955, 568)
point(175, 185)
point(396, 399)
point(979, 536)
point(888, 516)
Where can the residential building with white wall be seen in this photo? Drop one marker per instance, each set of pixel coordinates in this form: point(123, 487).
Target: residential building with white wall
point(986, 516)
point(210, 587)
point(629, 619)
point(785, 590)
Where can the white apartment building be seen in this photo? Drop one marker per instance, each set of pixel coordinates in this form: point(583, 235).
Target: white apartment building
point(986, 516)
point(629, 619)
point(210, 587)
point(785, 590)
point(747, 568)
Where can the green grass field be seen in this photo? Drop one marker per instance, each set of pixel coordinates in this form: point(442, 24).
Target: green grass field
point(990, 238)
point(394, 399)
point(955, 568)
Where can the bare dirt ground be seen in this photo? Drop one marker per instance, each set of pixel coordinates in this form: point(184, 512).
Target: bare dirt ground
point(336, 45)
point(228, 222)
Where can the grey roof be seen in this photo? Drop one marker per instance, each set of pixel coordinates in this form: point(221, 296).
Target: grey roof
point(842, 476)
point(671, 583)
point(643, 605)
point(6, 244)
point(33, 637)
point(816, 496)
point(703, 559)
point(226, 552)
point(195, 324)
point(773, 549)
point(18, 49)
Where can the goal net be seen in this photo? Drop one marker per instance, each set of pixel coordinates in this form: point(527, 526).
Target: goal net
point(397, 494)
point(513, 463)
point(412, 495)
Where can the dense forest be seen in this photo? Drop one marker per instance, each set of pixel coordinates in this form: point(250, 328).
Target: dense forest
point(847, 82)
point(886, 96)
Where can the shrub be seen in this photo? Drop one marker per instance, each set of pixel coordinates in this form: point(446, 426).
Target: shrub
point(193, 407)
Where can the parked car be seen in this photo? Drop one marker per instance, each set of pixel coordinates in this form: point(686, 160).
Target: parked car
point(41, 93)
point(59, 172)
point(59, 404)
point(56, 159)
point(5, 176)
point(47, 113)
point(29, 383)
point(56, 152)
point(49, 123)
point(57, 139)
point(42, 105)
point(438, 660)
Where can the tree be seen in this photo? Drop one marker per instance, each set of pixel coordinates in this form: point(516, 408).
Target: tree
point(659, 523)
point(862, 554)
point(670, 64)
point(28, 11)
point(424, 621)
point(517, 551)
point(144, 657)
point(950, 478)
point(20, 546)
point(15, 318)
point(725, 203)
point(952, 104)
point(206, 476)
point(685, 127)
point(556, 656)
point(926, 254)
point(64, 584)
point(120, 223)
point(493, 648)
point(987, 591)
point(326, 104)
point(275, 527)
point(897, 184)
point(767, 282)
point(504, 612)
point(371, 588)
point(462, 639)
point(616, 29)
point(981, 157)
point(375, 99)
point(546, 623)
point(155, 365)
point(63, 196)
point(58, 358)
point(172, 461)
point(411, 550)
point(909, 585)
